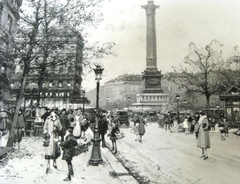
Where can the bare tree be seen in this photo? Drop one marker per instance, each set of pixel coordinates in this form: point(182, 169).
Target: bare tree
point(39, 44)
point(198, 73)
point(229, 74)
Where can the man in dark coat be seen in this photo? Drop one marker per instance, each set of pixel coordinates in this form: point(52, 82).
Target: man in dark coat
point(103, 127)
point(68, 152)
point(63, 120)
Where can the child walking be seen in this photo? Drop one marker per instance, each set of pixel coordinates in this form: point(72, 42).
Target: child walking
point(113, 136)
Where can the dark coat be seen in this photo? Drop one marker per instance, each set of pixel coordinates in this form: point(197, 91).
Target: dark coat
point(113, 132)
point(20, 121)
point(68, 147)
point(103, 125)
point(63, 120)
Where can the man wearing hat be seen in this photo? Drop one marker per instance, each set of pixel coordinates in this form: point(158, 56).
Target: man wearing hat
point(103, 127)
point(63, 120)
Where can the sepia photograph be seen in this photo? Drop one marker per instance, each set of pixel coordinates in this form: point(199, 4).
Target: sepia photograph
point(119, 92)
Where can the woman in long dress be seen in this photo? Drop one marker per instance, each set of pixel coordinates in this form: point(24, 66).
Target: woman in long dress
point(77, 120)
point(141, 128)
point(51, 128)
point(203, 136)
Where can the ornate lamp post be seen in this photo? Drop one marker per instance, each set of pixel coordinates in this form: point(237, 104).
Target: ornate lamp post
point(96, 157)
point(178, 97)
point(83, 94)
point(218, 116)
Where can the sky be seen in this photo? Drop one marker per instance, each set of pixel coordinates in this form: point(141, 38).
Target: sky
point(178, 22)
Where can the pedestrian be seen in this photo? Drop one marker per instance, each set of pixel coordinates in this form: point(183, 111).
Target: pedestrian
point(84, 126)
point(191, 124)
point(185, 125)
point(63, 120)
point(115, 130)
point(77, 120)
point(203, 136)
point(196, 126)
point(160, 120)
point(213, 124)
point(19, 129)
point(141, 128)
point(226, 126)
point(68, 147)
point(51, 129)
point(222, 129)
point(103, 128)
point(167, 121)
point(136, 129)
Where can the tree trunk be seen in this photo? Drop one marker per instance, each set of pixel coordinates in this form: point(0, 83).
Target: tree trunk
point(15, 117)
point(208, 104)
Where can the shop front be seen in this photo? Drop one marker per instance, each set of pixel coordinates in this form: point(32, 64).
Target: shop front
point(231, 101)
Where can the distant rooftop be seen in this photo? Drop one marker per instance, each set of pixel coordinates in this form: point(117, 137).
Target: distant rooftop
point(126, 77)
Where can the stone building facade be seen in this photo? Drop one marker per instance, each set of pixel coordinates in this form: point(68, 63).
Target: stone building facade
point(122, 91)
point(62, 86)
point(9, 16)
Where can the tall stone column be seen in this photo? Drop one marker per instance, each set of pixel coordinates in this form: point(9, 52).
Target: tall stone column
point(151, 76)
point(152, 96)
point(151, 45)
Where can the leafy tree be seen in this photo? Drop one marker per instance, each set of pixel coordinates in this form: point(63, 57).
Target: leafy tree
point(198, 73)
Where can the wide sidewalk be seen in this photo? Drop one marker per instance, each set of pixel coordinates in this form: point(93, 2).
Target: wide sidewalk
point(30, 168)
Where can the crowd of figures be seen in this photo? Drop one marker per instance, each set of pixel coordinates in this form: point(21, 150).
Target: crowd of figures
point(199, 125)
point(64, 129)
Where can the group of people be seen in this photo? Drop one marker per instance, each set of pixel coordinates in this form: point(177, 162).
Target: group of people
point(199, 124)
point(61, 131)
point(139, 126)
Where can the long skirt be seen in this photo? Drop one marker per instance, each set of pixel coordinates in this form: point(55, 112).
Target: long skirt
point(203, 139)
point(77, 130)
point(53, 150)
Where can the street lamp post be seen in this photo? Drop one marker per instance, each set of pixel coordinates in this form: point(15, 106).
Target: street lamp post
point(218, 116)
point(178, 97)
point(83, 94)
point(96, 157)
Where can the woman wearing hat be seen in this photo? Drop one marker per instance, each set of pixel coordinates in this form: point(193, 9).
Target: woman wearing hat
point(77, 121)
point(51, 128)
point(203, 136)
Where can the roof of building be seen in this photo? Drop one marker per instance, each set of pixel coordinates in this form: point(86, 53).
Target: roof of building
point(126, 77)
